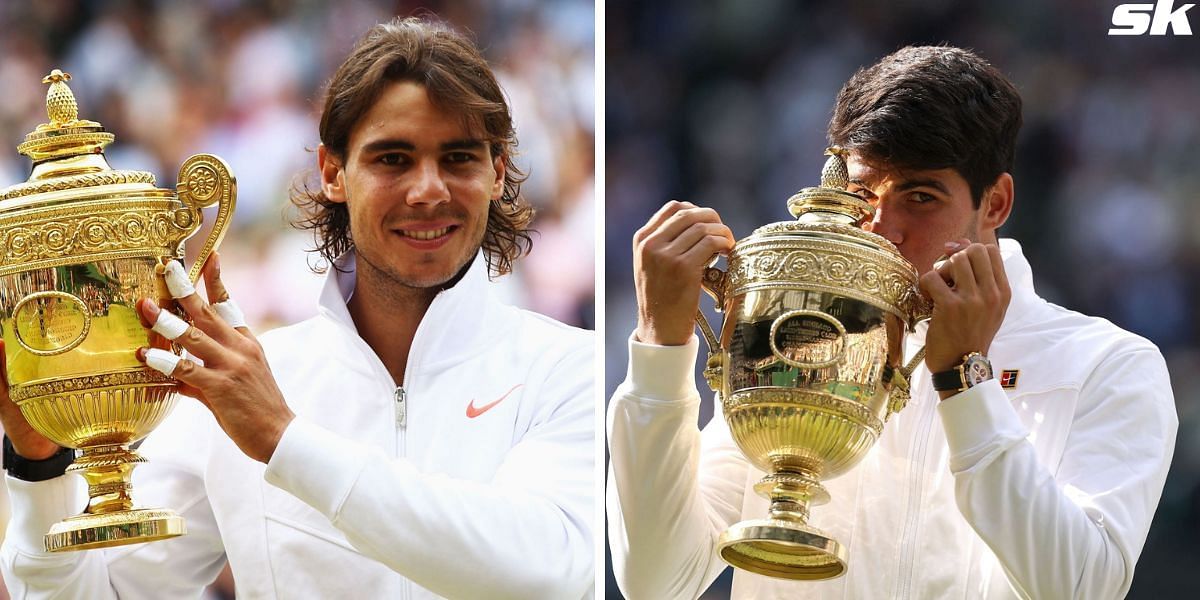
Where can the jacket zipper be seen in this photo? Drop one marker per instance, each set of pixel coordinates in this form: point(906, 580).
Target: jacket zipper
point(401, 407)
point(913, 510)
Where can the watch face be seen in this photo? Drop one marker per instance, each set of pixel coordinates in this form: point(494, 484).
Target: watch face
point(976, 370)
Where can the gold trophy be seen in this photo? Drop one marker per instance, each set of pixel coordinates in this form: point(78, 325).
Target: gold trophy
point(80, 243)
point(809, 364)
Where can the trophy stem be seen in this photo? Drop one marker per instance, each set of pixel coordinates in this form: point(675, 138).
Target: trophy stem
point(784, 545)
point(110, 519)
point(107, 470)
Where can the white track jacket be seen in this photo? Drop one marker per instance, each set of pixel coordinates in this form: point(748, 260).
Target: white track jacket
point(475, 481)
point(1042, 490)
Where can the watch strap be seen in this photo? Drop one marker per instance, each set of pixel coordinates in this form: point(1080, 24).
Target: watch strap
point(949, 381)
point(25, 469)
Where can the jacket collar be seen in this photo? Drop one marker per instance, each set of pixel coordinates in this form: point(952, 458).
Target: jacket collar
point(461, 320)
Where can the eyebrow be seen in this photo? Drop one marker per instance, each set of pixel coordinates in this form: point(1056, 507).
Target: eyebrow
point(909, 184)
point(407, 146)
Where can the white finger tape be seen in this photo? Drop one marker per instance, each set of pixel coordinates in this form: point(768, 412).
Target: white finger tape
point(178, 282)
point(169, 325)
point(162, 361)
point(231, 313)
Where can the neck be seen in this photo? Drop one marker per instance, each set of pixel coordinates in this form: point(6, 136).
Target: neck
point(386, 314)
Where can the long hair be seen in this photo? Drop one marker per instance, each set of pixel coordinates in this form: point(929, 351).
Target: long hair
point(458, 80)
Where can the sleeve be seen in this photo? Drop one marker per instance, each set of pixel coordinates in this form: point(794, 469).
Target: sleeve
point(525, 534)
point(672, 489)
point(1077, 531)
point(177, 568)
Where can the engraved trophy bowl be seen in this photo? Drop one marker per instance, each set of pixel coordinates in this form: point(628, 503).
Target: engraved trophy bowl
point(808, 364)
point(80, 243)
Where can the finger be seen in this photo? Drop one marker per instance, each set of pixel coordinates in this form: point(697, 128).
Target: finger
point(961, 272)
point(997, 260)
point(698, 231)
point(232, 314)
point(218, 296)
point(212, 280)
point(193, 339)
point(680, 222)
point(182, 290)
point(192, 375)
point(981, 265)
point(934, 285)
point(660, 216)
point(704, 248)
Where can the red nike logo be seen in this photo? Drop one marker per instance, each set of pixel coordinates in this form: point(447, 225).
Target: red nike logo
point(473, 412)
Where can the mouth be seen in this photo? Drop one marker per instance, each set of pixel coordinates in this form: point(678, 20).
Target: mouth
point(425, 234)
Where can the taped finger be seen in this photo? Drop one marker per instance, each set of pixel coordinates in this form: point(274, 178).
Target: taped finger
point(231, 313)
point(162, 361)
point(178, 282)
point(169, 326)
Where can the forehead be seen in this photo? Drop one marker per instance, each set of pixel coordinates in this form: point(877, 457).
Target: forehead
point(404, 110)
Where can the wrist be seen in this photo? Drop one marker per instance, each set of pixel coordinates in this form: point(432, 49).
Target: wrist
point(36, 469)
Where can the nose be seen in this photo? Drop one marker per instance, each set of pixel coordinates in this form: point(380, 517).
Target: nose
point(427, 185)
point(886, 223)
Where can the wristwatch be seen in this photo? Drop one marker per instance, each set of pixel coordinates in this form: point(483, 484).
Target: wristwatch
point(36, 470)
point(974, 369)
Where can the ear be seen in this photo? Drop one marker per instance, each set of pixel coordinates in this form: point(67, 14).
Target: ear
point(997, 204)
point(499, 165)
point(333, 179)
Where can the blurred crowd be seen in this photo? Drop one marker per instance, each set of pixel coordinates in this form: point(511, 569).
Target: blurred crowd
point(727, 107)
point(245, 80)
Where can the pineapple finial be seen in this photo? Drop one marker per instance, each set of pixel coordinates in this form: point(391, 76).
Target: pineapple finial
point(60, 102)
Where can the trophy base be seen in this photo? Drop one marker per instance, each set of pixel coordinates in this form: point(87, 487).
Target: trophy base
point(87, 531)
point(782, 549)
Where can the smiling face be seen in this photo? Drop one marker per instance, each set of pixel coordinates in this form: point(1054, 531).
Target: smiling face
point(919, 211)
point(417, 183)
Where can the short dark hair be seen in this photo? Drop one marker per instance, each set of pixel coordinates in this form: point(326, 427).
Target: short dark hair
point(457, 79)
point(931, 107)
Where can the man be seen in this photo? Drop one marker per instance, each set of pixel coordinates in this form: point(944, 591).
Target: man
point(1040, 486)
point(417, 438)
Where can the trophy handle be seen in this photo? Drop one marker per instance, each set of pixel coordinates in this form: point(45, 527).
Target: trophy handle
point(901, 390)
point(713, 284)
point(205, 180)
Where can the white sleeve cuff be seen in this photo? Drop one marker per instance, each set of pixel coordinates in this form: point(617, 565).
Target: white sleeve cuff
point(979, 423)
point(316, 466)
point(664, 373)
point(38, 505)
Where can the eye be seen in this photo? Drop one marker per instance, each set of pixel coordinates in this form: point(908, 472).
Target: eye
point(391, 158)
point(460, 157)
point(922, 197)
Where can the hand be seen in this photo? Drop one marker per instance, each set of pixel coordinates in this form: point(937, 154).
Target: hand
point(669, 256)
point(235, 381)
point(25, 440)
point(970, 296)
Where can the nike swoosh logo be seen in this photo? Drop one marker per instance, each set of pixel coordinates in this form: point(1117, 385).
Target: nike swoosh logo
point(473, 412)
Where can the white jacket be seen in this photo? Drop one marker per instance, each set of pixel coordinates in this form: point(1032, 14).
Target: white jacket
point(365, 496)
point(1046, 491)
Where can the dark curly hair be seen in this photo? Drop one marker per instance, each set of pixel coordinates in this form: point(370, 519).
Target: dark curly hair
point(931, 107)
point(458, 80)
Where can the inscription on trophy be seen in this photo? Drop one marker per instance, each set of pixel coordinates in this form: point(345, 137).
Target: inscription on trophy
point(49, 323)
point(808, 339)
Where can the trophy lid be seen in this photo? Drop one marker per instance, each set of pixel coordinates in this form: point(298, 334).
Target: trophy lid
point(68, 155)
point(828, 210)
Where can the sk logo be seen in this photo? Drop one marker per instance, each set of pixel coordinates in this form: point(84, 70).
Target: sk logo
point(473, 411)
point(1136, 19)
